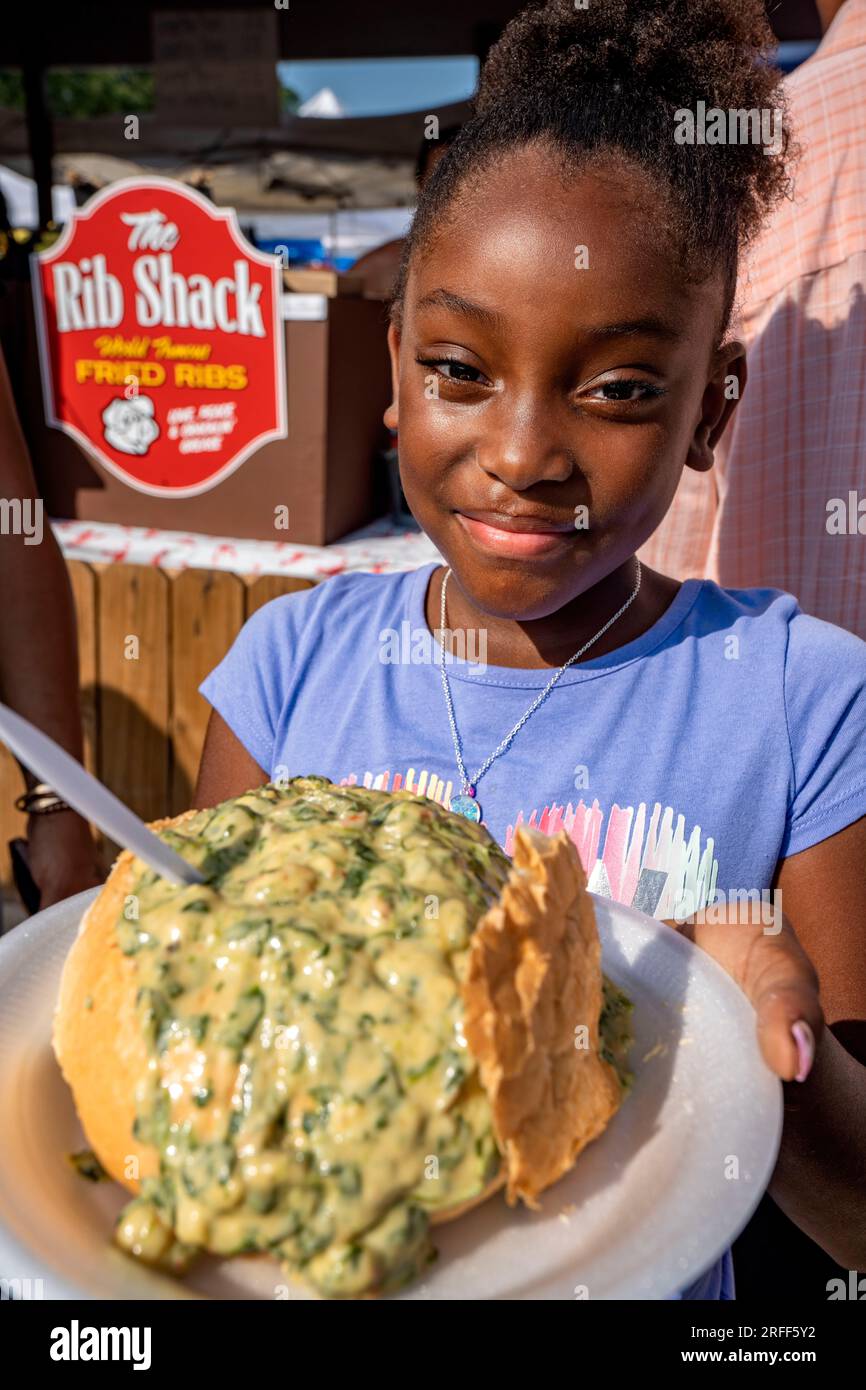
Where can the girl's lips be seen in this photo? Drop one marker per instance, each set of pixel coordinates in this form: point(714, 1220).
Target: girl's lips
point(511, 543)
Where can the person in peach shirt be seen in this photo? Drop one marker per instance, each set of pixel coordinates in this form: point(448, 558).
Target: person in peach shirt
point(785, 504)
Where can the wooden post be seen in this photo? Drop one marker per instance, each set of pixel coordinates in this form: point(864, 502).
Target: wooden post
point(40, 136)
point(134, 703)
point(207, 613)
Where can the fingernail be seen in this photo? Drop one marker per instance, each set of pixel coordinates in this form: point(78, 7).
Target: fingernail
point(805, 1040)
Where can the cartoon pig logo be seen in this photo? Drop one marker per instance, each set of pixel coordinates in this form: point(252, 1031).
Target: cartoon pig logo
point(129, 424)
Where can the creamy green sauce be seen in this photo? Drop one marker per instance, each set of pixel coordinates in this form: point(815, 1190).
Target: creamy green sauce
point(310, 1091)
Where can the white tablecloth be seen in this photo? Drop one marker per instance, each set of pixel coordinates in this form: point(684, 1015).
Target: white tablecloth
point(381, 548)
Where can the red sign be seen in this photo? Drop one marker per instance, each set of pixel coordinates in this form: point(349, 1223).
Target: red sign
point(160, 337)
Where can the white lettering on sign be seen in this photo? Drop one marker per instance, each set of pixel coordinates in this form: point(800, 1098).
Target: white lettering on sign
point(150, 231)
point(89, 296)
point(165, 297)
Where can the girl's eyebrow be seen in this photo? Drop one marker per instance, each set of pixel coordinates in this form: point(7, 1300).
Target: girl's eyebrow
point(447, 299)
point(650, 325)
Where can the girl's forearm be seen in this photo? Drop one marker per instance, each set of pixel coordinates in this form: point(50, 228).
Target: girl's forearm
point(820, 1176)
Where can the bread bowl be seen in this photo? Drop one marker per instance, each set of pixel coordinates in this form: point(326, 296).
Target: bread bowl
point(366, 1021)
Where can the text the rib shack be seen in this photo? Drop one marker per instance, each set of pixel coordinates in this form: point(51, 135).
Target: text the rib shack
point(151, 302)
point(87, 295)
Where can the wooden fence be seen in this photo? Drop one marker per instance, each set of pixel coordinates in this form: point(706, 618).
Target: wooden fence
point(146, 637)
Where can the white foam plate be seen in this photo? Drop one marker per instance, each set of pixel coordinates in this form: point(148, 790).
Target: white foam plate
point(646, 1209)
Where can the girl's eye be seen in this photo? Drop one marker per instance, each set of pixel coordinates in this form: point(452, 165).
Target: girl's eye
point(631, 391)
point(452, 369)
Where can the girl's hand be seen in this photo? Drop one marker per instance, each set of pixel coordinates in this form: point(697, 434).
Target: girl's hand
point(774, 972)
point(62, 856)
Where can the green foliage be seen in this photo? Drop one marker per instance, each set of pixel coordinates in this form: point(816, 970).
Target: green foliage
point(11, 90)
point(103, 91)
point(83, 92)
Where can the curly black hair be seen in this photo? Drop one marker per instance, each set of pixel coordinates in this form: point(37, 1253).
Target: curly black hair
point(602, 85)
point(447, 135)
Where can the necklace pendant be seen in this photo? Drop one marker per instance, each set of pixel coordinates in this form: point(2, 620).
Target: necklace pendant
point(466, 805)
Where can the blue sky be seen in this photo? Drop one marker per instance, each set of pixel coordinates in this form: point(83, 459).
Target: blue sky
point(383, 86)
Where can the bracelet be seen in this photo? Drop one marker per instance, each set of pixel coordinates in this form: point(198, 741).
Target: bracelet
point(41, 800)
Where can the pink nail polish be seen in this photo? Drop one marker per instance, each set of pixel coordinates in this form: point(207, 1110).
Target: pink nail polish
point(805, 1040)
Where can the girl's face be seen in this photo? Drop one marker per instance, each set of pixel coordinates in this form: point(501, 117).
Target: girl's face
point(552, 375)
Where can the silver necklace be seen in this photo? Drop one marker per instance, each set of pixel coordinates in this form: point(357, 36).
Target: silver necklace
point(466, 803)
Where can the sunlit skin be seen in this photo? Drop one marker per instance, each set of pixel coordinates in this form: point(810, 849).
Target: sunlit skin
point(557, 388)
point(530, 430)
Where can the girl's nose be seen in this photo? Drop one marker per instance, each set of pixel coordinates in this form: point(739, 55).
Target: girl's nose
point(523, 447)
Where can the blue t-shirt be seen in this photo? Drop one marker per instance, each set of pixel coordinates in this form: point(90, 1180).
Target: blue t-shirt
point(684, 765)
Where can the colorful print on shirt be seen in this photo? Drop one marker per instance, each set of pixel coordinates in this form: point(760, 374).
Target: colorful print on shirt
point(646, 859)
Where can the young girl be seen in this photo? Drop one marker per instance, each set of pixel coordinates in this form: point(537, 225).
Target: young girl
point(560, 352)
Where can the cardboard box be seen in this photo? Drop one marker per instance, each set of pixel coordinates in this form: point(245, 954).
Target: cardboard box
point(338, 386)
point(329, 282)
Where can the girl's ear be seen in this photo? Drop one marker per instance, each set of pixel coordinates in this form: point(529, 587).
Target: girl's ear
point(720, 398)
point(390, 416)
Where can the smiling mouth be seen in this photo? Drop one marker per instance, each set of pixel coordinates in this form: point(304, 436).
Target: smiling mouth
point(515, 536)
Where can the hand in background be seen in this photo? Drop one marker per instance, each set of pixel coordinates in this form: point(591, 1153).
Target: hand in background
point(62, 856)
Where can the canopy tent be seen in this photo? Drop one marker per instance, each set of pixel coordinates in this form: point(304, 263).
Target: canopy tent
point(280, 182)
point(390, 137)
point(324, 105)
point(20, 201)
point(305, 164)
